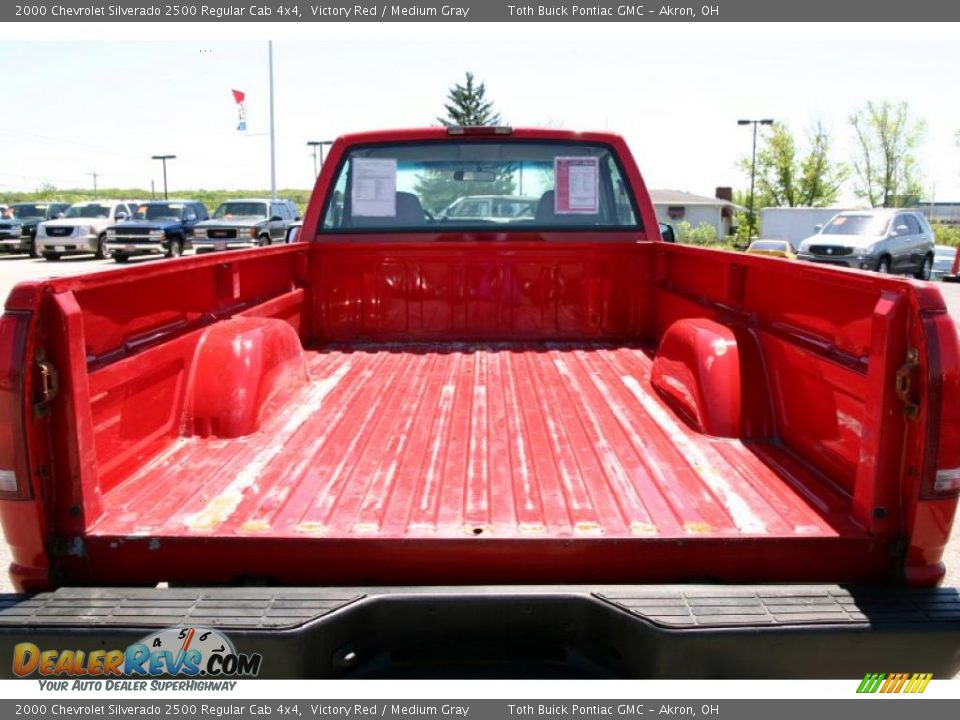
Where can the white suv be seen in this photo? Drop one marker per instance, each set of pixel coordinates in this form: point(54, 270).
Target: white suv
point(81, 230)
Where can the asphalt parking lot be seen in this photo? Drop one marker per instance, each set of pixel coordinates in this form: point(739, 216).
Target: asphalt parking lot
point(17, 268)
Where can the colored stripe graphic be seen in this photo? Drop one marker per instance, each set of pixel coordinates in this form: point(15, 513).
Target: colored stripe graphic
point(894, 683)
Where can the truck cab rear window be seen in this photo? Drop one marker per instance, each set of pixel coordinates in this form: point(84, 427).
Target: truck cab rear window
point(450, 186)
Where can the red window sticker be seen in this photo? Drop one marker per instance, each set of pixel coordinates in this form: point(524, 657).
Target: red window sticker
point(578, 186)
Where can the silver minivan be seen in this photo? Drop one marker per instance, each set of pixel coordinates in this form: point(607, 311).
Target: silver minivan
point(885, 240)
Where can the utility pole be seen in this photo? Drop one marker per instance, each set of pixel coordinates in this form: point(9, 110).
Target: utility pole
point(94, 175)
point(273, 151)
point(163, 159)
point(753, 164)
point(314, 144)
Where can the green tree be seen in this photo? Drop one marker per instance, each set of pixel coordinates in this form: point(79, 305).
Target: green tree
point(790, 176)
point(467, 105)
point(703, 234)
point(885, 164)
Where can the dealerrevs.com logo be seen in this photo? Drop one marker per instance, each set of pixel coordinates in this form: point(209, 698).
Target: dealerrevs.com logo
point(178, 651)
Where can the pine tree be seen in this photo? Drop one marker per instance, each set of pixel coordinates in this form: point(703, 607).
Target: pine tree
point(466, 105)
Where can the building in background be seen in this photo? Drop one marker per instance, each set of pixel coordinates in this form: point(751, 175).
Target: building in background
point(947, 213)
point(794, 224)
point(676, 206)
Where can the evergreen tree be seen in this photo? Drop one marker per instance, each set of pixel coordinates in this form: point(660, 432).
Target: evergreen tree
point(467, 105)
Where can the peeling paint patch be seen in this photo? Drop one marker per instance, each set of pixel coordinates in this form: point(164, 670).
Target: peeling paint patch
point(421, 528)
point(643, 528)
point(255, 526)
point(311, 528)
point(587, 528)
point(154, 544)
point(738, 508)
point(698, 528)
point(222, 506)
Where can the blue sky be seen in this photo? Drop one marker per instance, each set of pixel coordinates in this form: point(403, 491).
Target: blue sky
point(107, 105)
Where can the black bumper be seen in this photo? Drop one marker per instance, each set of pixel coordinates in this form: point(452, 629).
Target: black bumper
point(681, 631)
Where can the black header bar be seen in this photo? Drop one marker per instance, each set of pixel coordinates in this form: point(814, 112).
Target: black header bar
point(853, 11)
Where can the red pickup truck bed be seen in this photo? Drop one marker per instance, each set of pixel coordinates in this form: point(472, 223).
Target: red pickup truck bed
point(467, 445)
point(395, 458)
point(587, 431)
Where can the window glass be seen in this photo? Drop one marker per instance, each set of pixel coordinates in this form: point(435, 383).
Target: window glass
point(333, 213)
point(856, 225)
point(443, 186)
point(89, 210)
point(27, 211)
point(233, 209)
point(911, 222)
point(156, 211)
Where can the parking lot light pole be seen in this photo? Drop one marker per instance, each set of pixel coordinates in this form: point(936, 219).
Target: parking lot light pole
point(753, 163)
point(318, 144)
point(163, 159)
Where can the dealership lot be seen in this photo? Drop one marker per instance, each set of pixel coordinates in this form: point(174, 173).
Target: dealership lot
point(19, 268)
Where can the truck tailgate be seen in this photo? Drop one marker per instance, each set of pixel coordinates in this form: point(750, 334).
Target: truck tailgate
point(467, 452)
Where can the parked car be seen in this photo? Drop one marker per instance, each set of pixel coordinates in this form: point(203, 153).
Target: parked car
point(245, 223)
point(18, 229)
point(773, 248)
point(490, 208)
point(164, 227)
point(943, 257)
point(884, 240)
point(82, 229)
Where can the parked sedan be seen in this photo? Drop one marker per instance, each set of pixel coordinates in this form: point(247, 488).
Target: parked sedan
point(943, 257)
point(884, 240)
point(772, 248)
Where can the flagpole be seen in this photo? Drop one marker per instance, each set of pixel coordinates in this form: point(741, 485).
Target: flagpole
point(273, 156)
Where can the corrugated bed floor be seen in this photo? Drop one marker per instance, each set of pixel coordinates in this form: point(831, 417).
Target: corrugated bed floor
point(444, 441)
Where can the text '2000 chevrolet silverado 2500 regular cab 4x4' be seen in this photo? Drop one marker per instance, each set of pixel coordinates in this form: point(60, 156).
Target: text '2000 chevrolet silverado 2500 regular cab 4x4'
point(551, 444)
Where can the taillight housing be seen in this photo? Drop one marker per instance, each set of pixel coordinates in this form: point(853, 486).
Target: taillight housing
point(14, 472)
point(947, 481)
point(941, 476)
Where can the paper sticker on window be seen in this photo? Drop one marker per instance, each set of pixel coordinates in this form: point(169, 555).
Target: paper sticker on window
point(577, 185)
point(374, 192)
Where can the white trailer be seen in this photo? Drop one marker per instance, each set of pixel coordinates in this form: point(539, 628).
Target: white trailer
point(793, 224)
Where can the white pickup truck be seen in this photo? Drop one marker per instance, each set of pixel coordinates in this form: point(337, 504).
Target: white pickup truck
point(82, 229)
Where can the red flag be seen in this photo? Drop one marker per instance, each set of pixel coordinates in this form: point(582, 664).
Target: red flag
point(239, 97)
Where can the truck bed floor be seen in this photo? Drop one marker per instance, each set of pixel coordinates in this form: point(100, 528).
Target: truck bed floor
point(448, 441)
